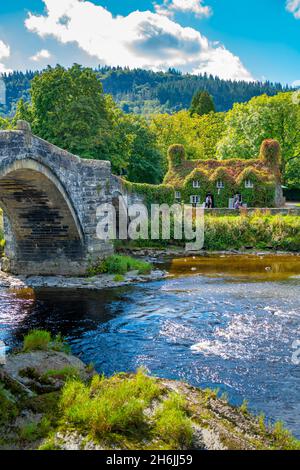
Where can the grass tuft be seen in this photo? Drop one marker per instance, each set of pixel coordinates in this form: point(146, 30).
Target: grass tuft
point(119, 278)
point(283, 439)
point(33, 431)
point(172, 423)
point(37, 340)
point(120, 265)
point(41, 340)
point(109, 405)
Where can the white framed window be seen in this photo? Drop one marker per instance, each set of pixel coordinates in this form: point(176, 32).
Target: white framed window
point(196, 184)
point(177, 195)
point(195, 199)
point(249, 184)
point(220, 184)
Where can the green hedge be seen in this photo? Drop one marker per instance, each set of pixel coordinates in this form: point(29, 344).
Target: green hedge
point(153, 194)
point(257, 231)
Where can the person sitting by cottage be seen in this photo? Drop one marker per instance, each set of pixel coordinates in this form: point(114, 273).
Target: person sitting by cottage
point(208, 202)
point(237, 202)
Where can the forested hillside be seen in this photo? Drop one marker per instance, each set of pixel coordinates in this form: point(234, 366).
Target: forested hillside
point(69, 108)
point(146, 92)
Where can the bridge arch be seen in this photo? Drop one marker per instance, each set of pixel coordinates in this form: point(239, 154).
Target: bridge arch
point(45, 232)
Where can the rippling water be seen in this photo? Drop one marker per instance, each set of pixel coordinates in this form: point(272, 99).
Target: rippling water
point(220, 326)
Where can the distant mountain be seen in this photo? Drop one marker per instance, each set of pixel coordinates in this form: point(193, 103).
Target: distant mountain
point(146, 92)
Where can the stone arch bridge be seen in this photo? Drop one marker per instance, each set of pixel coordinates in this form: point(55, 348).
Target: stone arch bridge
point(49, 199)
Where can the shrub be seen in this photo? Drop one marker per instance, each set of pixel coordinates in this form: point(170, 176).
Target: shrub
point(258, 230)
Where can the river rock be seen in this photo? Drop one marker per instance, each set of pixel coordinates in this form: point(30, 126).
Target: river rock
point(28, 369)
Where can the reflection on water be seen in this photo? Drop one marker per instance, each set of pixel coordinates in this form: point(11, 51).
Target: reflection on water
point(216, 327)
point(266, 268)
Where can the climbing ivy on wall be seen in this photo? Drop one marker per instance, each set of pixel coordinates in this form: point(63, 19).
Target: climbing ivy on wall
point(261, 195)
point(152, 194)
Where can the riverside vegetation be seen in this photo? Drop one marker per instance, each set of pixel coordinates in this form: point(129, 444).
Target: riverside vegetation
point(119, 265)
point(259, 230)
point(76, 408)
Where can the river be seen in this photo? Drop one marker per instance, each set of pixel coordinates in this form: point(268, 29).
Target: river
point(226, 322)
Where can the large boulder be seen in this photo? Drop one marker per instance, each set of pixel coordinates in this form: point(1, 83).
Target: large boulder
point(43, 371)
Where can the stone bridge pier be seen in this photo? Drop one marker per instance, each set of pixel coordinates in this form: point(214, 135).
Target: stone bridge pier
point(49, 198)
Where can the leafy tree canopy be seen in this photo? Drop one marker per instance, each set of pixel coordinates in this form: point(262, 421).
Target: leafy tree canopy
point(264, 117)
point(69, 109)
point(198, 134)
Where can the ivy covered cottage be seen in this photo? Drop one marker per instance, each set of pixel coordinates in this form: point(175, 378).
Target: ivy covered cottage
point(257, 182)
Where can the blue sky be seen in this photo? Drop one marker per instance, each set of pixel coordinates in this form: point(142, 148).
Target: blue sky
point(249, 39)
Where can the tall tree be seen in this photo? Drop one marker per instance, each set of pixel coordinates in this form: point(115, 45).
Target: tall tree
point(198, 134)
point(202, 103)
point(145, 159)
point(264, 117)
point(67, 108)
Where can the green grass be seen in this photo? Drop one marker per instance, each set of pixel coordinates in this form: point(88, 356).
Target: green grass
point(172, 424)
point(244, 407)
point(283, 439)
point(108, 406)
point(119, 265)
point(119, 278)
point(37, 340)
point(113, 410)
point(33, 431)
point(41, 340)
point(62, 374)
point(8, 407)
point(49, 444)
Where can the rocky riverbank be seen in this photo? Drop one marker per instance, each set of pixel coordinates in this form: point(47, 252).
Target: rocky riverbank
point(102, 281)
point(157, 254)
point(51, 400)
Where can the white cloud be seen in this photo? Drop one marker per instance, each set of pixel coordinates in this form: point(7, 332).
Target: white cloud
point(41, 55)
point(185, 6)
point(293, 6)
point(141, 39)
point(4, 54)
